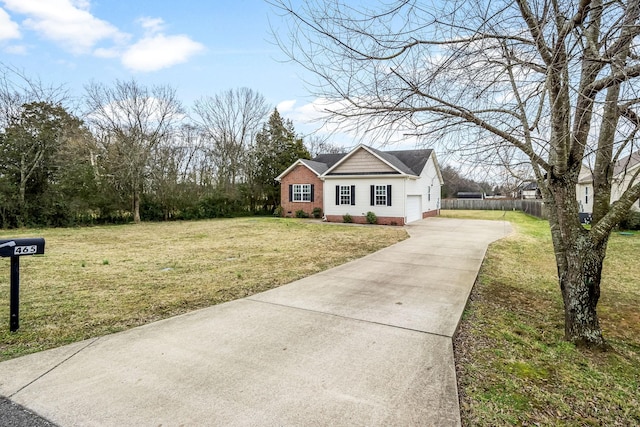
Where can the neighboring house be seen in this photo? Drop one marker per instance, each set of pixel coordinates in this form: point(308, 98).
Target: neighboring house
point(530, 190)
point(398, 186)
point(624, 172)
point(584, 194)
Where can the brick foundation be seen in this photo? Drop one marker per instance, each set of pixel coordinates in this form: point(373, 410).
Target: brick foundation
point(382, 220)
point(430, 214)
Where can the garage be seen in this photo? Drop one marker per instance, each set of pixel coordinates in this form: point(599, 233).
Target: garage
point(414, 211)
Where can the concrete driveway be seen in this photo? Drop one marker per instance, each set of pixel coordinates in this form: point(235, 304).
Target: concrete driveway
point(366, 343)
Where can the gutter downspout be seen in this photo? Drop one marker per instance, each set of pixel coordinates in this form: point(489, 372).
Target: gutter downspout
point(406, 200)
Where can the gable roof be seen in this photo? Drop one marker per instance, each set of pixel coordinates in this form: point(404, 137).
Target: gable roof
point(414, 160)
point(626, 163)
point(329, 159)
point(405, 162)
point(620, 167)
point(529, 186)
point(318, 167)
point(586, 175)
point(315, 167)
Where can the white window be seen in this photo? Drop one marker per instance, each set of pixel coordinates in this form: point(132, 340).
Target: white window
point(345, 195)
point(586, 195)
point(381, 195)
point(301, 192)
point(429, 193)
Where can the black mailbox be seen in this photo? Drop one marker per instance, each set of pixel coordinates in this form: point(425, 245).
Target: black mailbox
point(21, 247)
point(14, 249)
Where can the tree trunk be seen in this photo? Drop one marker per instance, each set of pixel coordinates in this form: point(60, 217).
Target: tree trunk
point(579, 258)
point(580, 285)
point(136, 206)
point(22, 209)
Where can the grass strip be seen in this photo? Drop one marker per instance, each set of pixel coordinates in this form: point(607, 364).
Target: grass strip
point(514, 368)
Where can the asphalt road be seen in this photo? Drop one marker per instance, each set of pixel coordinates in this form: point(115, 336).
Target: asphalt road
point(14, 415)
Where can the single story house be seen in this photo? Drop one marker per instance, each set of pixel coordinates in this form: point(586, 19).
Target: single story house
point(624, 171)
point(399, 187)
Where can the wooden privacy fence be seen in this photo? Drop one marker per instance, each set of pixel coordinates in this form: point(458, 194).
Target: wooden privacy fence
point(532, 207)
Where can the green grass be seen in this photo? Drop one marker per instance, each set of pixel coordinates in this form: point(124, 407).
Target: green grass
point(514, 367)
point(98, 280)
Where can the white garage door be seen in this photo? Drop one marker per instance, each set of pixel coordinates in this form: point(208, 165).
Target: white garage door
point(414, 211)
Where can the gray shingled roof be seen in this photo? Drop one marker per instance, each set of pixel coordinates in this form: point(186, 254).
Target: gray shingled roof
point(626, 163)
point(329, 159)
point(413, 159)
point(318, 167)
point(394, 161)
point(410, 162)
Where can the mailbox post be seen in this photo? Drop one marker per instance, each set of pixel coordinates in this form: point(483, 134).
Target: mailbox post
point(14, 249)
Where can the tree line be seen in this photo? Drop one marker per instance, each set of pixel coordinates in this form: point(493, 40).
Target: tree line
point(129, 152)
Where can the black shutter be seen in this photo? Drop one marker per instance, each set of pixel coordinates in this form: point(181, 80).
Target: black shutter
point(337, 194)
point(291, 192)
point(373, 195)
point(312, 192)
point(353, 195)
point(388, 195)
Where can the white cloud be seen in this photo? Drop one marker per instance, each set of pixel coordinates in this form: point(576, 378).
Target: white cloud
point(159, 51)
point(315, 117)
point(8, 28)
point(67, 22)
point(151, 25)
point(315, 111)
point(70, 24)
point(286, 106)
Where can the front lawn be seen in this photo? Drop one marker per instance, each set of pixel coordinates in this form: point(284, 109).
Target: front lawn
point(97, 280)
point(514, 367)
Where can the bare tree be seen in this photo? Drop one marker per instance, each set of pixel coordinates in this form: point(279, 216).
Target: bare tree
point(17, 89)
point(230, 121)
point(321, 145)
point(131, 120)
point(174, 168)
point(551, 82)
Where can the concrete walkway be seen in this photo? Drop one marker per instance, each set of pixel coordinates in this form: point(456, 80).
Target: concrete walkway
point(366, 343)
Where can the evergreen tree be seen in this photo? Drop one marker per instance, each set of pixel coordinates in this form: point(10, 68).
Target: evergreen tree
point(276, 147)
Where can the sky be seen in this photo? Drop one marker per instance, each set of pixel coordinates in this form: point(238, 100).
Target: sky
point(199, 47)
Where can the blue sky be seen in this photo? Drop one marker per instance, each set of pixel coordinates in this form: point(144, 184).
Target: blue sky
point(199, 47)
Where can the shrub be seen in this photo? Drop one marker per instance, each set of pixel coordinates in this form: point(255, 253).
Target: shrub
point(301, 214)
point(371, 218)
point(347, 218)
point(278, 211)
point(317, 213)
point(219, 205)
point(631, 221)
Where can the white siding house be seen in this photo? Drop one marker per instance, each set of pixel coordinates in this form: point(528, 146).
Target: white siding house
point(397, 186)
point(625, 174)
